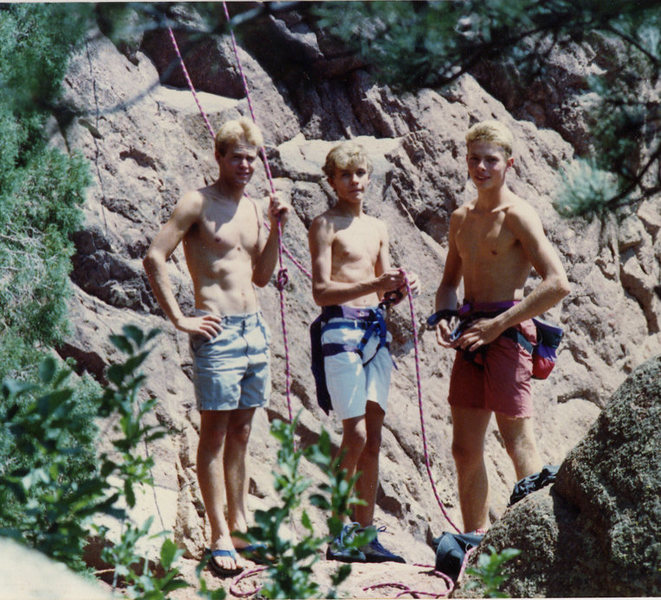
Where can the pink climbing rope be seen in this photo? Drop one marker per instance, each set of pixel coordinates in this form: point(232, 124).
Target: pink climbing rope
point(190, 83)
point(267, 167)
point(414, 326)
point(238, 593)
point(288, 254)
point(283, 277)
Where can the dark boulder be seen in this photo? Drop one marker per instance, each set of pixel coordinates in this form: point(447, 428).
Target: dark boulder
point(596, 531)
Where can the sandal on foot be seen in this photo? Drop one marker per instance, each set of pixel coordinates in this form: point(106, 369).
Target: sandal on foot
point(255, 553)
point(222, 571)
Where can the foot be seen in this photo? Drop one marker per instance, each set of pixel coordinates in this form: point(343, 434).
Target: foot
point(224, 562)
point(338, 550)
point(375, 553)
point(256, 553)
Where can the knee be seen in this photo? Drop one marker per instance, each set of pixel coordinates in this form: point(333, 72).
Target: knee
point(354, 440)
point(212, 439)
point(373, 444)
point(240, 434)
point(465, 455)
point(520, 446)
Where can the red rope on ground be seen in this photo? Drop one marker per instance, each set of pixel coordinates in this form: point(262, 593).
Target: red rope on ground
point(422, 416)
point(250, 573)
point(465, 561)
point(446, 578)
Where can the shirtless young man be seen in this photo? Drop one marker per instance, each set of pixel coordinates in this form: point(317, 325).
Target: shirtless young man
point(227, 251)
point(493, 243)
point(350, 273)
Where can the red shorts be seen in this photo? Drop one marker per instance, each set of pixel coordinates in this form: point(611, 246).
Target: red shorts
point(502, 384)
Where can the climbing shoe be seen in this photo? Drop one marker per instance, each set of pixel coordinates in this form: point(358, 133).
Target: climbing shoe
point(338, 550)
point(375, 553)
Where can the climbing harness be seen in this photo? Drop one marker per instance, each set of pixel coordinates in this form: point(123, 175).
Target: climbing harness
point(543, 351)
point(371, 320)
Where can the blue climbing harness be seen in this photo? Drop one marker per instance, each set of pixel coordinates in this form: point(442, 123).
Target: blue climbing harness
point(371, 320)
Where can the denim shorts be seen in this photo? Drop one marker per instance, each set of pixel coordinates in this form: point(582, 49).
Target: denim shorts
point(232, 370)
point(353, 379)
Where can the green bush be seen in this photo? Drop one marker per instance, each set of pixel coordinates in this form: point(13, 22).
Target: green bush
point(52, 483)
point(489, 572)
point(52, 488)
point(41, 189)
point(41, 192)
point(290, 561)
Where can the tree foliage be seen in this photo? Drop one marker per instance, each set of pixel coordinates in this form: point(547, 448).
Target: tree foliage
point(411, 45)
point(41, 189)
point(415, 44)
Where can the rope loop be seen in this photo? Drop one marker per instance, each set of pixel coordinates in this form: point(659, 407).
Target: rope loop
point(283, 279)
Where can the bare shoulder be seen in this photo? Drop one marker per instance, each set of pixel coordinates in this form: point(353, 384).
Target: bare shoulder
point(462, 211)
point(522, 217)
point(323, 224)
point(192, 202)
point(520, 209)
point(378, 225)
point(459, 214)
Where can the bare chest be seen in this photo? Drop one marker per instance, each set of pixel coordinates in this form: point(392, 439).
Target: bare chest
point(485, 238)
point(357, 243)
point(223, 228)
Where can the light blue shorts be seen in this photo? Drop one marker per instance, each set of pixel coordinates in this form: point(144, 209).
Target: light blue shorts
point(232, 370)
point(353, 379)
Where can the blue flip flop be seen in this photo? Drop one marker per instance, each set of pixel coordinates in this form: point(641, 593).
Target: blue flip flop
point(252, 552)
point(216, 568)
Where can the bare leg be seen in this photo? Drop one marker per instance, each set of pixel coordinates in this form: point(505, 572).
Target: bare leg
point(368, 465)
point(354, 438)
point(468, 430)
point(213, 432)
point(520, 444)
point(236, 479)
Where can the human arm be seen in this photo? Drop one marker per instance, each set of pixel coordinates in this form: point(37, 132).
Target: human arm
point(553, 287)
point(383, 265)
point(446, 294)
point(184, 216)
point(267, 256)
point(327, 291)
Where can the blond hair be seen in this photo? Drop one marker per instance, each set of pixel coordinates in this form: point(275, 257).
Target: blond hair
point(239, 131)
point(346, 154)
point(492, 131)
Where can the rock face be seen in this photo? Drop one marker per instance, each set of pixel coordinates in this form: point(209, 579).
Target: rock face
point(29, 575)
point(147, 144)
point(595, 532)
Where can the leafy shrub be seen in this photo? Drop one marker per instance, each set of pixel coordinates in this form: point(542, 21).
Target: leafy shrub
point(489, 572)
point(290, 561)
point(52, 487)
point(41, 189)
